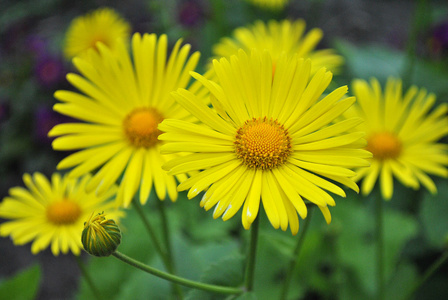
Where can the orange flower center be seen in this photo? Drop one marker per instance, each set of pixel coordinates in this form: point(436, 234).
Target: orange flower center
point(384, 145)
point(63, 212)
point(140, 127)
point(262, 143)
point(98, 38)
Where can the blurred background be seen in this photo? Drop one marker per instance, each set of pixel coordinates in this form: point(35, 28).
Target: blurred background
point(407, 39)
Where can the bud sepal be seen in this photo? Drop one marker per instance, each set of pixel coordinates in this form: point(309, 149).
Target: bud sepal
point(100, 236)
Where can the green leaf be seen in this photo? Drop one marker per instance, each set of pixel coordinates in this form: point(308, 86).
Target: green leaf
point(371, 61)
point(187, 216)
point(247, 296)
point(209, 253)
point(433, 213)
point(377, 61)
point(140, 285)
point(22, 286)
point(282, 242)
point(350, 287)
point(403, 279)
point(270, 263)
point(227, 271)
point(356, 242)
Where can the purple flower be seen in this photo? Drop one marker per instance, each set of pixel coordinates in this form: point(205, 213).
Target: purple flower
point(49, 70)
point(36, 45)
point(439, 39)
point(44, 120)
point(191, 12)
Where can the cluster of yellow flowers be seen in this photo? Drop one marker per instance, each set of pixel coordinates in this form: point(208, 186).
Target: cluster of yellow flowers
point(258, 127)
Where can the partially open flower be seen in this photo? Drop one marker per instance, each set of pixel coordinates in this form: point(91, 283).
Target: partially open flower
point(100, 236)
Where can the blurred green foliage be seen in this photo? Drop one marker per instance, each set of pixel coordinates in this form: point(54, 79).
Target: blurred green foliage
point(21, 286)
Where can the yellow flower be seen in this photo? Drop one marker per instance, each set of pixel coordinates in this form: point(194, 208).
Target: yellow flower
point(269, 137)
point(102, 25)
point(278, 37)
point(122, 100)
point(52, 212)
point(402, 134)
point(270, 4)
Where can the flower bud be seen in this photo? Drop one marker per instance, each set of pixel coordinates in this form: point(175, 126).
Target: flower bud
point(100, 236)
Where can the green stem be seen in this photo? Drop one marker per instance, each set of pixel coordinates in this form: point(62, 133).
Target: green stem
point(166, 259)
point(219, 20)
point(295, 254)
point(177, 279)
point(428, 273)
point(250, 266)
point(379, 247)
point(166, 233)
point(169, 252)
point(420, 12)
point(88, 278)
point(152, 234)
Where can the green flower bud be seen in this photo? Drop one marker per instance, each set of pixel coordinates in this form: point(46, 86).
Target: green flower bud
point(100, 236)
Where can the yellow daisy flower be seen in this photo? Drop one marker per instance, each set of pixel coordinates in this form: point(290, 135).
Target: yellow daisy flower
point(270, 4)
point(402, 135)
point(268, 137)
point(52, 212)
point(123, 100)
point(278, 37)
point(102, 25)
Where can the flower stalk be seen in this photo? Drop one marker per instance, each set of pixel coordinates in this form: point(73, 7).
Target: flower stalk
point(177, 279)
point(428, 273)
point(420, 16)
point(155, 242)
point(166, 234)
point(379, 247)
point(169, 250)
point(164, 255)
point(88, 278)
point(293, 262)
point(250, 266)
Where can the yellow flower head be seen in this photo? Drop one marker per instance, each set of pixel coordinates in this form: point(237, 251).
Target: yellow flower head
point(402, 134)
point(278, 37)
point(270, 4)
point(52, 212)
point(102, 25)
point(269, 138)
point(122, 99)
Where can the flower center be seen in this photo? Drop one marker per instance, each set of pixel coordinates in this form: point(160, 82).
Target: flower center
point(384, 145)
point(96, 39)
point(140, 127)
point(262, 143)
point(63, 212)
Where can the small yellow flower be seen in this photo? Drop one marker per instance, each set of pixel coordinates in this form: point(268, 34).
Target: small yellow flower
point(52, 212)
point(100, 236)
point(278, 37)
point(402, 134)
point(269, 138)
point(270, 4)
point(103, 25)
